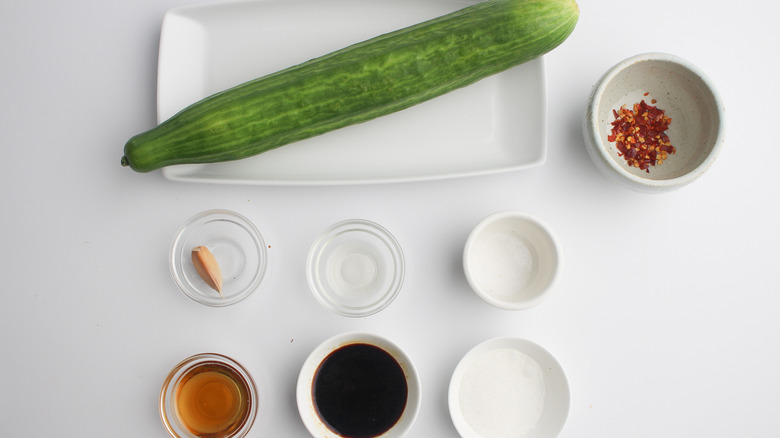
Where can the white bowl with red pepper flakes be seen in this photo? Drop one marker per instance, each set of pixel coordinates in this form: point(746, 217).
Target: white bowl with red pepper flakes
point(654, 123)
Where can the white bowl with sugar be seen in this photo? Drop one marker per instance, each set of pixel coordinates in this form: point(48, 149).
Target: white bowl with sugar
point(509, 388)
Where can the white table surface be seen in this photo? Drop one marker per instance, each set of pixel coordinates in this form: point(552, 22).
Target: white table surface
point(664, 316)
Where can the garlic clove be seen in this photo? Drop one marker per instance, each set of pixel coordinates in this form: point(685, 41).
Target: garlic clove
point(207, 267)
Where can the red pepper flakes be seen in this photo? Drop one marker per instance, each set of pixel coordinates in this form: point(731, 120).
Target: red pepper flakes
point(640, 135)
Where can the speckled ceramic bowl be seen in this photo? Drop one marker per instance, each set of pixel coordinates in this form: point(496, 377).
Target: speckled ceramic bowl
point(684, 93)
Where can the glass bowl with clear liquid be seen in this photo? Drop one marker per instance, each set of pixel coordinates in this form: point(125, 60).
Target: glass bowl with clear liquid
point(355, 268)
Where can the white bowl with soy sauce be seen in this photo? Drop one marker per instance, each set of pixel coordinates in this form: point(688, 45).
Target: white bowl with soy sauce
point(358, 385)
point(665, 143)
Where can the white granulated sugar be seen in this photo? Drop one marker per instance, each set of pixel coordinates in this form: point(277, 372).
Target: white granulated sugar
point(502, 394)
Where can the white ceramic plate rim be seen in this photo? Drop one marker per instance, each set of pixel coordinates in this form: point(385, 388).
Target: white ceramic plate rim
point(495, 125)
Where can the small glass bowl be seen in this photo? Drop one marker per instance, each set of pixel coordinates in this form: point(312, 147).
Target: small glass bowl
point(355, 268)
point(169, 412)
point(236, 244)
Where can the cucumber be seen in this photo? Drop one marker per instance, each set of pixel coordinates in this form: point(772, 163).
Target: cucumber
point(370, 79)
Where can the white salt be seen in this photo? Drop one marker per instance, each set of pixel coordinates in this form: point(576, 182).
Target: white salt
point(502, 394)
point(506, 264)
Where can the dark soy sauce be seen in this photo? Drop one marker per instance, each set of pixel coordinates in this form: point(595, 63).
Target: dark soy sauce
point(359, 391)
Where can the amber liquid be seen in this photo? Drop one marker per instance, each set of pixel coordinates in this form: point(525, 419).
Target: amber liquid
point(212, 400)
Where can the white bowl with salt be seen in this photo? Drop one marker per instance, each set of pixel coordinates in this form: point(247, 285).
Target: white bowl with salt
point(511, 260)
point(509, 388)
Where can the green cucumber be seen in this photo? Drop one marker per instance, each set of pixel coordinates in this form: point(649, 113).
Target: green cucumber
point(370, 79)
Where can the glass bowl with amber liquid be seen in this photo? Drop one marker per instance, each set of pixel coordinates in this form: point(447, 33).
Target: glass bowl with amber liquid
point(208, 395)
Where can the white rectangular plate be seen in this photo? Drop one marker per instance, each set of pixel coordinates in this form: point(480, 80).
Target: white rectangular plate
point(497, 124)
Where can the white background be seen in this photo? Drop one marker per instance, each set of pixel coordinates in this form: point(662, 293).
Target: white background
point(664, 316)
